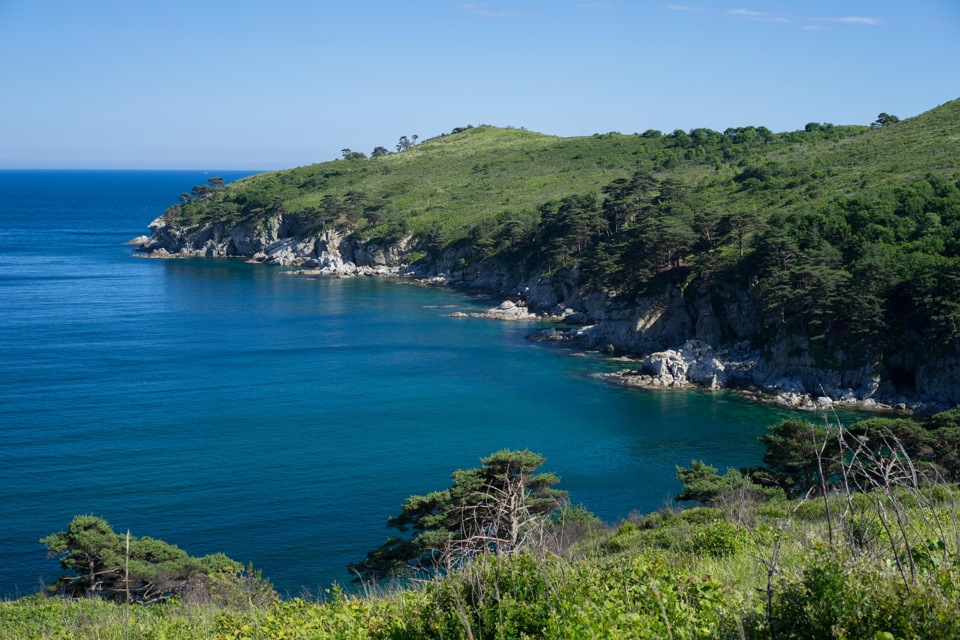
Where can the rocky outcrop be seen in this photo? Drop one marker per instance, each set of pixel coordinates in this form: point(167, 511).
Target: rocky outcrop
point(507, 310)
point(695, 363)
point(793, 384)
point(785, 376)
point(279, 241)
point(549, 335)
point(939, 378)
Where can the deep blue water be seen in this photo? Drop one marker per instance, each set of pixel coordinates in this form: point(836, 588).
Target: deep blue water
point(229, 407)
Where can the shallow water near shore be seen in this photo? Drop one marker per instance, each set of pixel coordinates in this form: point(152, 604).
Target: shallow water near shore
point(230, 407)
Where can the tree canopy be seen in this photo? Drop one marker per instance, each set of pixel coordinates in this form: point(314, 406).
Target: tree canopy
point(490, 509)
point(885, 119)
point(94, 558)
point(803, 458)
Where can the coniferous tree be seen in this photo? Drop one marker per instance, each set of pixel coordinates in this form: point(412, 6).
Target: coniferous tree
point(489, 509)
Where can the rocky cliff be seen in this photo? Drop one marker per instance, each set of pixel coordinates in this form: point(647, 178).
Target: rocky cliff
point(281, 241)
point(684, 337)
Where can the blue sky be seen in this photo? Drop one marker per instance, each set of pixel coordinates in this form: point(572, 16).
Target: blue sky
point(255, 85)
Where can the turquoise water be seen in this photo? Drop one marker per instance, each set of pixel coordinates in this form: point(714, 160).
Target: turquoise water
point(230, 407)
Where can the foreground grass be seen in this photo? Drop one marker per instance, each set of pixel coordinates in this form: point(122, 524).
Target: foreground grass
point(746, 570)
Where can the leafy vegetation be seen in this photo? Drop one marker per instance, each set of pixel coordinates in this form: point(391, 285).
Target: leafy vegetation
point(100, 563)
point(491, 509)
point(845, 236)
point(870, 549)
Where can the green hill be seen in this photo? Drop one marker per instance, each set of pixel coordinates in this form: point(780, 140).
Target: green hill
point(831, 248)
point(459, 180)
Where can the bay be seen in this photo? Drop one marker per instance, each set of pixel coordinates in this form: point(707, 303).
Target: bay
point(230, 407)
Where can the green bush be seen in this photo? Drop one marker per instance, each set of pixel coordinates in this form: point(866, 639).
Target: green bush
point(718, 539)
point(701, 515)
point(625, 537)
point(834, 598)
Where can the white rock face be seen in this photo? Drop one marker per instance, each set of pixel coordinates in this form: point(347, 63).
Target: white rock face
point(694, 363)
point(704, 367)
point(277, 242)
point(507, 310)
point(667, 367)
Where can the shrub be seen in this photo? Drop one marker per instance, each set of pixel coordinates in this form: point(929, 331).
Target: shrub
point(835, 598)
point(717, 539)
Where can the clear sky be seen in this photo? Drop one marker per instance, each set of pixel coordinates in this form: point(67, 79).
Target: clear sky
point(251, 84)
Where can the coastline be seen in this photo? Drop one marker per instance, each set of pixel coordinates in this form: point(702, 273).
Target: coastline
point(692, 364)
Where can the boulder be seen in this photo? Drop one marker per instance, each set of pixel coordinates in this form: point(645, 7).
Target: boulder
point(549, 335)
point(667, 368)
point(509, 310)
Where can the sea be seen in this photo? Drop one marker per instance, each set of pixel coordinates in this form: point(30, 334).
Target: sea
point(230, 407)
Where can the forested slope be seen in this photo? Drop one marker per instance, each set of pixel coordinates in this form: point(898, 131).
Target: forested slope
point(828, 249)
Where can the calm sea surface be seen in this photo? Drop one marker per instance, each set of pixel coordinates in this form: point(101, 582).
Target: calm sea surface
point(230, 407)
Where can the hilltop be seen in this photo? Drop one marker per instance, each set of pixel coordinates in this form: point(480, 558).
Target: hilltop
point(823, 261)
point(470, 177)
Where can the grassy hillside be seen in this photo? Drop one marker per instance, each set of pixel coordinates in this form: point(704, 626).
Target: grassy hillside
point(457, 181)
point(453, 180)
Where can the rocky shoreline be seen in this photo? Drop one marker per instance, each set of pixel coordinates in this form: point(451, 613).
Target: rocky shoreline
point(697, 365)
point(679, 340)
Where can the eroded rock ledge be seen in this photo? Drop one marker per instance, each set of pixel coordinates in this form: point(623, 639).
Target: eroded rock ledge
point(697, 365)
point(508, 310)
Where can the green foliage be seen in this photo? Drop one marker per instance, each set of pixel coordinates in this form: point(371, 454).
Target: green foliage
point(520, 597)
point(803, 458)
point(574, 515)
point(797, 456)
point(624, 538)
point(96, 562)
point(92, 551)
point(699, 573)
point(885, 119)
point(834, 598)
point(349, 154)
point(702, 483)
point(490, 509)
point(946, 419)
point(718, 539)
